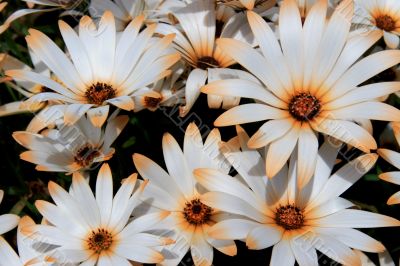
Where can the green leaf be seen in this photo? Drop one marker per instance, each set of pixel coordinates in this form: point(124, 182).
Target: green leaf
point(371, 177)
point(129, 143)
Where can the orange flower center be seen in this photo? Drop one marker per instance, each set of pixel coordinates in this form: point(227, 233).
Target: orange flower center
point(304, 106)
point(289, 217)
point(197, 213)
point(85, 155)
point(207, 62)
point(99, 93)
point(386, 23)
point(100, 240)
point(151, 102)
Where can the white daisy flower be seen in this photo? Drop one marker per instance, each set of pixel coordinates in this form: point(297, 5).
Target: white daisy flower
point(176, 191)
point(104, 70)
point(382, 15)
point(53, 5)
point(71, 148)
point(296, 222)
point(95, 230)
point(7, 221)
point(27, 255)
point(196, 43)
point(393, 158)
point(310, 84)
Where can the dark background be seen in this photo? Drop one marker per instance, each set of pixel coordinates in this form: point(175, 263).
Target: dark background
point(23, 184)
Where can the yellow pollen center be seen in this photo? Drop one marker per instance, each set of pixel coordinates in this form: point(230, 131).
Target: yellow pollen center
point(151, 102)
point(197, 213)
point(207, 62)
point(289, 217)
point(304, 106)
point(100, 240)
point(85, 155)
point(99, 93)
point(386, 23)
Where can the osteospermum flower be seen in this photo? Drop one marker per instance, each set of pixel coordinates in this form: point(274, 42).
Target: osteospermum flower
point(309, 84)
point(95, 230)
point(393, 158)
point(27, 255)
point(105, 70)
point(7, 221)
point(296, 222)
point(53, 5)
point(196, 44)
point(177, 192)
point(382, 15)
point(71, 148)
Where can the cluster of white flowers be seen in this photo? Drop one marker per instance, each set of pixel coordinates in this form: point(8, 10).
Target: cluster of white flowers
point(309, 66)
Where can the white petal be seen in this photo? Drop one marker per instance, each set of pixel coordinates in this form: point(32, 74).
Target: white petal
point(356, 219)
point(347, 132)
point(362, 71)
point(139, 253)
point(303, 250)
point(270, 47)
point(202, 252)
point(353, 238)
point(243, 88)
point(364, 93)
point(197, 78)
point(104, 193)
point(84, 195)
point(232, 204)
point(282, 254)
point(390, 156)
point(269, 132)
point(344, 178)
point(55, 59)
point(143, 223)
point(232, 229)
point(336, 250)
point(354, 48)
point(255, 64)
point(291, 36)
point(213, 180)
point(264, 236)
point(98, 115)
point(74, 112)
point(247, 113)
point(123, 102)
point(333, 40)
point(157, 176)
point(8, 222)
point(307, 155)
point(8, 255)
point(367, 110)
point(280, 150)
point(391, 40)
point(177, 165)
point(78, 52)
